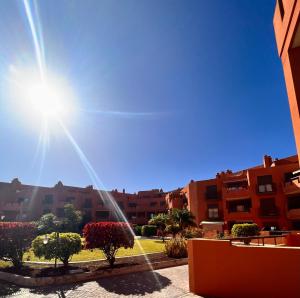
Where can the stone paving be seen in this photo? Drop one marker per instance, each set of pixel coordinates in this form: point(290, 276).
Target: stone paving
point(168, 282)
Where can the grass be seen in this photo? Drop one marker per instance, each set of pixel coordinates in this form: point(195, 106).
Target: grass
point(147, 246)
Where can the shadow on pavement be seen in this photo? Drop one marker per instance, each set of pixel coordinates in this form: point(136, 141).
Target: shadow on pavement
point(60, 291)
point(135, 284)
point(7, 289)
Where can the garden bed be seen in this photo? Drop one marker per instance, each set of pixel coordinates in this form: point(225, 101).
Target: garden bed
point(37, 277)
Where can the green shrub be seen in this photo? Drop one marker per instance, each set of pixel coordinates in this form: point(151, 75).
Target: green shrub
point(244, 230)
point(173, 229)
point(176, 248)
point(149, 230)
point(62, 248)
point(138, 230)
point(192, 232)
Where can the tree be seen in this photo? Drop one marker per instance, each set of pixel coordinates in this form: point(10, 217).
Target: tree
point(71, 220)
point(160, 220)
point(109, 237)
point(183, 217)
point(62, 247)
point(46, 224)
point(15, 239)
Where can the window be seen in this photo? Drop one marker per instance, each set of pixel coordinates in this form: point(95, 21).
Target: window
point(213, 211)
point(265, 183)
point(267, 204)
point(163, 203)
point(46, 211)
point(153, 204)
point(48, 199)
point(87, 203)
point(294, 202)
point(211, 192)
point(132, 205)
point(121, 205)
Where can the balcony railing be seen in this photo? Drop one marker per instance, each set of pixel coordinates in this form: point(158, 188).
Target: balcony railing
point(266, 188)
point(268, 212)
point(293, 214)
point(291, 187)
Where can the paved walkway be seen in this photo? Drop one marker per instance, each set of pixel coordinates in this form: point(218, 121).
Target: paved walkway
point(168, 282)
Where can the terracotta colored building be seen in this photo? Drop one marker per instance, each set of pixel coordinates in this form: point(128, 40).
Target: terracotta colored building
point(27, 202)
point(268, 194)
point(287, 31)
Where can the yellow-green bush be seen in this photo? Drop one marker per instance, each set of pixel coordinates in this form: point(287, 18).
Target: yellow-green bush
point(176, 248)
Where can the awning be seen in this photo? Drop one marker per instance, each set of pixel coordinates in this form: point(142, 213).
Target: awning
point(212, 223)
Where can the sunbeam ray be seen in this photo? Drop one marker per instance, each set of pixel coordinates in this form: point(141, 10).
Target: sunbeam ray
point(36, 41)
point(106, 196)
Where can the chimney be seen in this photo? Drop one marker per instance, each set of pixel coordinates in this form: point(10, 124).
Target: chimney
point(267, 161)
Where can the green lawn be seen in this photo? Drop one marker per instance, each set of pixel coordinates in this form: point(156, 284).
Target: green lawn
point(146, 246)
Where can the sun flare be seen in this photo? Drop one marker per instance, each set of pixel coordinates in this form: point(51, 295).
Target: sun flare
point(42, 99)
point(45, 99)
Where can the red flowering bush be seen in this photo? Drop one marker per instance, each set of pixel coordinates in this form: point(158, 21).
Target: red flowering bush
point(109, 237)
point(15, 239)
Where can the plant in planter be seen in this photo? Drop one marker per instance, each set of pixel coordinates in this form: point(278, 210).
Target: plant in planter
point(109, 237)
point(245, 230)
point(62, 247)
point(15, 239)
point(176, 248)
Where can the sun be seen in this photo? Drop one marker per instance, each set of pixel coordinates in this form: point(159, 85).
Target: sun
point(38, 99)
point(45, 99)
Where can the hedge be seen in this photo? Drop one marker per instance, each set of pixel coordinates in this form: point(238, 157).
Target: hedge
point(149, 230)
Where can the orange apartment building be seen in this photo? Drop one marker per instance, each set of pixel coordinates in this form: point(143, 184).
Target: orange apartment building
point(27, 202)
point(287, 32)
point(268, 194)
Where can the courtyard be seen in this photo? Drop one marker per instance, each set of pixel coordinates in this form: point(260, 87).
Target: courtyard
point(168, 282)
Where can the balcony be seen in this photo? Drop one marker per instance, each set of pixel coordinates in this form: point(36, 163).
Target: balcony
point(292, 187)
point(235, 192)
point(266, 189)
point(293, 214)
point(272, 212)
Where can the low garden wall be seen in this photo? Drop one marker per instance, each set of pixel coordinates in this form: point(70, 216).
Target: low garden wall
point(219, 269)
point(133, 265)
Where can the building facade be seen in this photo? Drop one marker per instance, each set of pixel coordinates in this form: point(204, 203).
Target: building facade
point(27, 202)
point(286, 23)
point(268, 194)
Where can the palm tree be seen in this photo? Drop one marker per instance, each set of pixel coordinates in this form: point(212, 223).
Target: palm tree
point(183, 217)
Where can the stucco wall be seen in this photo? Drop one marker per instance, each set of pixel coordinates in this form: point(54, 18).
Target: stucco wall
point(218, 269)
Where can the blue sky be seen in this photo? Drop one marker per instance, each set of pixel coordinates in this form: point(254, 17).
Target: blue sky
point(196, 87)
